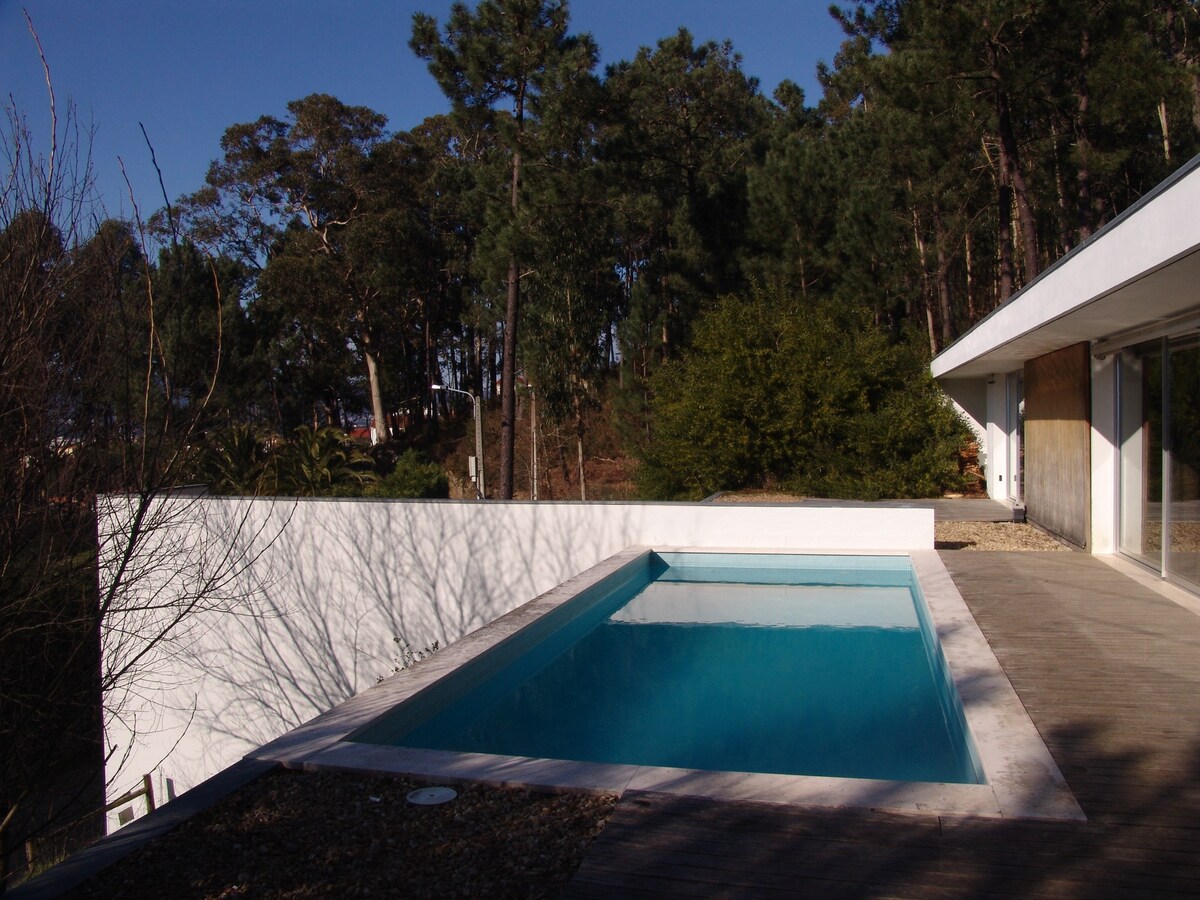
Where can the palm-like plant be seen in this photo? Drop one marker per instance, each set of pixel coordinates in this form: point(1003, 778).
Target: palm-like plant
point(237, 460)
point(320, 461)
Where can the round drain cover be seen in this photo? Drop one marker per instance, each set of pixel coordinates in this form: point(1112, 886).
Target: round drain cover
point(432, 796)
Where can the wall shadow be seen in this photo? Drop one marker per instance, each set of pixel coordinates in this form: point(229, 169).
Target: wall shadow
point(327, 596)
point(1140, 840)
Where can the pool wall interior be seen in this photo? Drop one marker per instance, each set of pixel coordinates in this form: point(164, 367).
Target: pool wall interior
point(1011, 774)
point(814, 665)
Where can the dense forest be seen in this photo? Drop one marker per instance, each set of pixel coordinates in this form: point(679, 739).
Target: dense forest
point(572, 232)
point(747, 289)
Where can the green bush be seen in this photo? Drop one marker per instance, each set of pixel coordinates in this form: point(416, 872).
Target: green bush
point(810, 396)
point(414, 477)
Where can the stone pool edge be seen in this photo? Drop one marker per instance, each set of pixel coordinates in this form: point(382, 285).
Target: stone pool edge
point(1023, 779)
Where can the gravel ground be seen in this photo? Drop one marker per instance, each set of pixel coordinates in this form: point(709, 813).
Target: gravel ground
point(992, 536)
point(329, 834)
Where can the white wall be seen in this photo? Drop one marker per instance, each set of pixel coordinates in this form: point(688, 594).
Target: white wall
point(998, 466)
point(983, 402)
point(976, 400)
point(1104, 453)
point(301, 599)
point(970, 399)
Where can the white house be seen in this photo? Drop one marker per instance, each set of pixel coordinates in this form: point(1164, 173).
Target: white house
point(1084, 388)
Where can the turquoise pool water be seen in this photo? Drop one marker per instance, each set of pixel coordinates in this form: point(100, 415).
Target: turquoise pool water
point(802, 665)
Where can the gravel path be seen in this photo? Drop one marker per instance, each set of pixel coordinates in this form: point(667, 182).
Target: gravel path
point(329, 834)
point(992, 536)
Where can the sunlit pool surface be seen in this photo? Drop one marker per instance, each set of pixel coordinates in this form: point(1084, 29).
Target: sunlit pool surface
point(786, 664)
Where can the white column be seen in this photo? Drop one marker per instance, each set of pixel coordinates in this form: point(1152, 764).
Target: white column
point(1104, 455)
point(997, 437)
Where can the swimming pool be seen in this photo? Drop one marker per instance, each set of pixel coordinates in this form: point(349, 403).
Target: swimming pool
point(1017, 777)
point(814, 665)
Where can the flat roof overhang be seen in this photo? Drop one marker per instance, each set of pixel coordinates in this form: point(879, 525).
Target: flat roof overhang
point(1140, 272)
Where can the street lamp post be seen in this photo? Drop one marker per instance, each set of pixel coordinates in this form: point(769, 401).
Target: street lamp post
point(533, 482)
point(479, 483)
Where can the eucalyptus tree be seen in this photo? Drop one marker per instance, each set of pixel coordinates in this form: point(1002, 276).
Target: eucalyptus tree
point(301, 193)
point(312, 371)
point(499, 65)
point(434, 170)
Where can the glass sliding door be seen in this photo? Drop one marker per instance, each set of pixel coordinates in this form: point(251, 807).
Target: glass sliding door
point(1141, 431)
point(1183, 461)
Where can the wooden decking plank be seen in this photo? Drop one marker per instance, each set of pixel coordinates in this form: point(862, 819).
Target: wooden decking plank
point(932, 883)
point(954, 871)
point(1022, 859)
point(1110, 674)
point(843, 880)
point(1073, 860)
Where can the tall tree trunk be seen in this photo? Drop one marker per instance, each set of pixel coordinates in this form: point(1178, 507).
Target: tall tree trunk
point(579, 430)
point(1004, 236)
point(1010, 163)
point(919, 242)
point(582, 476)
point(493, 375)
point(475, 364)
point(1020, 192)
point(381, 429)
point(432, 374)
point(1083, 144)
point(1066, 233)
point(1179, 49)
point(1164, 125)
point(508, 374)
point(508, 382)
point(944, 294)
point(972, 315)
point(1195, 100)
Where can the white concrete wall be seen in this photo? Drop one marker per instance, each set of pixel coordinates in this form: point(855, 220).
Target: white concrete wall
point(997, 438)
point(1104, 454)
point(970, 397)
point(984, 404)
point(301, 599)
point(976, 400)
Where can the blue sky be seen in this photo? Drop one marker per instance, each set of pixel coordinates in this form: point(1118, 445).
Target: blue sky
point(187, 69)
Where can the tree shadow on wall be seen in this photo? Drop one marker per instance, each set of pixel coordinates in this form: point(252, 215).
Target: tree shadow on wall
point(345, 579)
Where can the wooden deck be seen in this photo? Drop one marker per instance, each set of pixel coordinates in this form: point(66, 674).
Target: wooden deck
point(1110, 673)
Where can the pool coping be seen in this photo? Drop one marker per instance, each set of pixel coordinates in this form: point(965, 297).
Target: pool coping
point(1023, 781)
